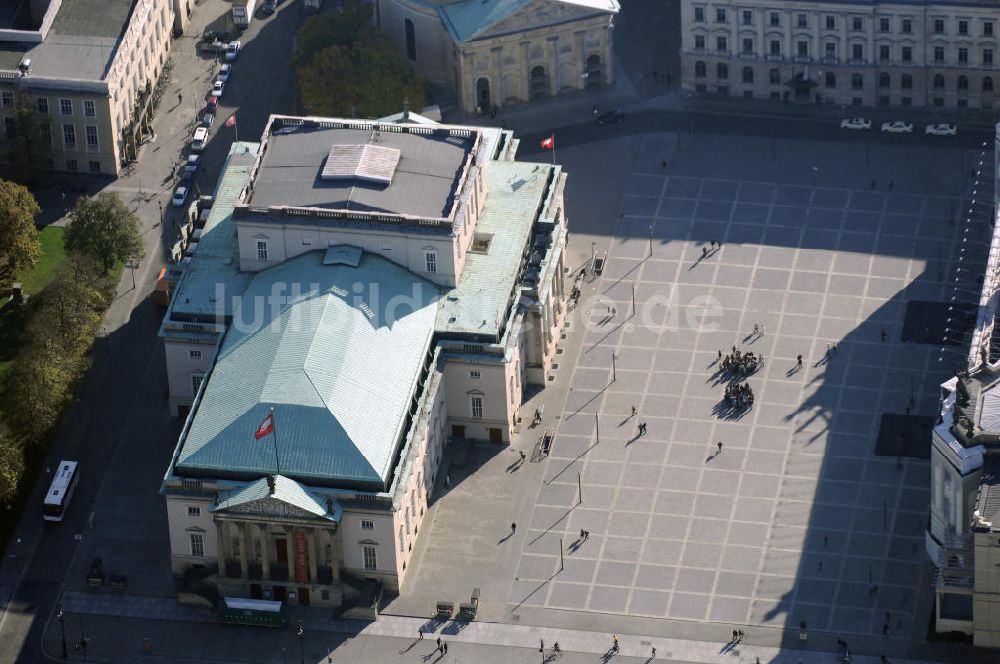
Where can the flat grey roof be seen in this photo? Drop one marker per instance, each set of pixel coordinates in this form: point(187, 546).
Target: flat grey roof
point(424, 183)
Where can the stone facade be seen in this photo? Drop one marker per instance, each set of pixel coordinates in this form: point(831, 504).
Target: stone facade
point(546, 49)
point(905, 54)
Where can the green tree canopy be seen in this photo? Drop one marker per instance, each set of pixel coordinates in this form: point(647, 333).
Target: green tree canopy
point(104, 229)
point(19, 246)
point(30, 148)
point(367, 79)
point(11, 466)
point(345, 27)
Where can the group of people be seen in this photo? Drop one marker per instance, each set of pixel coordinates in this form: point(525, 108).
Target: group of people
point(739, 395)
point(740, 364)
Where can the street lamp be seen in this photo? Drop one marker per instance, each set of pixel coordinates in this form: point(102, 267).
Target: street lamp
point(302, 645)
point(62, 630)
point(160, 205)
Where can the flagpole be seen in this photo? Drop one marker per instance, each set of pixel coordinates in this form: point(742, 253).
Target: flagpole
point(553, 149)
point(274, 437)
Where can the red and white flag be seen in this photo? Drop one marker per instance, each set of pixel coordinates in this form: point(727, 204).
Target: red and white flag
point(266, 427)
point(231, 120)
point(548, 143)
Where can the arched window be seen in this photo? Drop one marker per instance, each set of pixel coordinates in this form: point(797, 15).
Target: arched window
point(857, 82)
point(411, 40)
point(963, 82)
point(907, 82)
point(722, 71)
point(748, 74)
point(699, 69)
point(938, 82)
point(774, 77)
point(883, 80)
point(987, 84)
point(539, 82)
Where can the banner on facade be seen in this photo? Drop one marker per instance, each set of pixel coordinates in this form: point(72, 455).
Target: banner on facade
point(301, 557)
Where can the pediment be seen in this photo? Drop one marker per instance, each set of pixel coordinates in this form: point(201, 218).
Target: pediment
point(269, 508)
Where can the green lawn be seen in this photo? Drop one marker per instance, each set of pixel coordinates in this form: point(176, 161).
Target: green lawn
point(13, 319)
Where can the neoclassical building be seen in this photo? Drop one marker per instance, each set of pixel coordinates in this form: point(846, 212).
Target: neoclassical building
point(373, 290)
point(849, 52)
point(498, 52)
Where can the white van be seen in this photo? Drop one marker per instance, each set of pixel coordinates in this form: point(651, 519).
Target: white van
point(200, 138)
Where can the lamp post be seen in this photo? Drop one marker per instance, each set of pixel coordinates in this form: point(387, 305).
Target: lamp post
point(62, 630)
point(302, 645)
point(159, 204)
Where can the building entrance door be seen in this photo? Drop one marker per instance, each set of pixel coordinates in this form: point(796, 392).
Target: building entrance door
point(496, 435)
point(483, 95)
point(457, 431)
point(304, 596)
point(281, 544)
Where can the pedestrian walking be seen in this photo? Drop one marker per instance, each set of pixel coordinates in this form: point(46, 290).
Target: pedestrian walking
point(447, 481)
point(653, 655)
point(756, 328)
point(445, 648)
point(521, 452)
point(555, 647)
point(614, 642)
point(420, 632)
point(541, 645)
point(828, 346)
point(885, 630)
point(798, 362)
point(884, 335)
point(719, 444)
point(180, 98)
point(439, 642)
point(720, 356)
point(582, 534)
point(633, 411)
point(513, 528)
point(704, 252)
point(735, 635)
point(663, 163)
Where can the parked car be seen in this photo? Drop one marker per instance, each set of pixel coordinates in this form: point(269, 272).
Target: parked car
point(207, 120)
point(855, 123)
point(217, 88)
point(941, 129)
point(224, 72)
point(215, 47)
point(610, 117)
point(269, 7)
point(180, 195)
point(233, 50)
point(213, 105)
point(199, 139)
point(215, 35)
point(898, 127)
point(192, 164)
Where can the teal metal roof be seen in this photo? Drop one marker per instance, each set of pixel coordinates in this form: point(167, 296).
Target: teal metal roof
point(215, 269)
point(472, 18)
point(337, 351)
point(286, 490)
point(479, 304)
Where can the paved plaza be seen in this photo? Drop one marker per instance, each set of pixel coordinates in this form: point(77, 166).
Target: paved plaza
point(796, 519)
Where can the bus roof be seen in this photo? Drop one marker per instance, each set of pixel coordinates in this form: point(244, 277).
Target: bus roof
point(63, 476)
point(252, 604)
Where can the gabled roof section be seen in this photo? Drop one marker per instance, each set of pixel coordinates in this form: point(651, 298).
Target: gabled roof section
point(338, 352)
point(260, 496)
point(472, 19)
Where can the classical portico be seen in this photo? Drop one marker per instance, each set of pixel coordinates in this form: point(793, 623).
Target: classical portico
point(278, 540)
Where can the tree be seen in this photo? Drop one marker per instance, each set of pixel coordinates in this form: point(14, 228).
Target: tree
point(104, 229)
point(353, 22)
point(30, 148)
point(11, 466)
point(366, 79)
point(19, 246)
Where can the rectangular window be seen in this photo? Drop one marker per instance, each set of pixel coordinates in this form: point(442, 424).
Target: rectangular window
point(88, 108)
point(66, 107)
point(831, 49)
point(963, 55)
point(831, 79)
point(72, 166)
point(7, 98)
point(10, 129)
point(477, 407)
point(262, 250)
point(194, 511)
point(883, 24)
point(748, 46)
point(857, 23)
point(91, 137)
point(699, 14)
point(907, 54)
point(367, 524)
point(883, 53)
point(307, 241)
point(371, 559)
point(775, 19)
point(907, 27)
point(43, 104)
point(857, 51)
point(699, 42)
point(831, 23)
point(196, 383)
point(722, 71)
point(939, 54)
point(721, 44)
point(720, 15)
point(988, 29)
point(46, 130)
point(747, 17)
point(963, 27)
point(774, 47)
point(939, 26)
point(987, 56)
point(431, 261)
point(803, 49)
point(69, 136)
point(194, 354)
point(803, 21)
point(474, 374)
point(197, 544)
point(95, 166)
